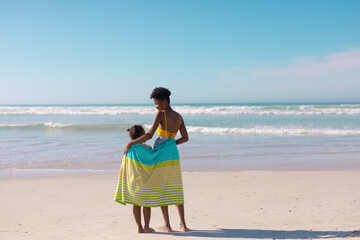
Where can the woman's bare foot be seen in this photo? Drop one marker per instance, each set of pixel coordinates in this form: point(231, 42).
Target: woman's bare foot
point(183, 228)
point(140, 230)
point(148, 230)
point(165, 229)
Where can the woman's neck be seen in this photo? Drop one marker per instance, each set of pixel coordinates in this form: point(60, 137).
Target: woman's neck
point(168, 108)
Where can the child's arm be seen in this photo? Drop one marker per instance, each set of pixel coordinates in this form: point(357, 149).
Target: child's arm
point(145, 145)
point(147, 135)
point(183, 132)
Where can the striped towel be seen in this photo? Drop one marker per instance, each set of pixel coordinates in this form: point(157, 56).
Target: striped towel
point(151, 177)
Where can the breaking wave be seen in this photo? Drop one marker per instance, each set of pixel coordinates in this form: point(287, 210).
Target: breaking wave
point(335, 109)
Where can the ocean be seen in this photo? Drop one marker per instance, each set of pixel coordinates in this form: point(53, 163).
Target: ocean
point(38, 140)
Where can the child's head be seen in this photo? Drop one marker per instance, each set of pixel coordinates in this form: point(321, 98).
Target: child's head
point(136, 131)
point(161, 97)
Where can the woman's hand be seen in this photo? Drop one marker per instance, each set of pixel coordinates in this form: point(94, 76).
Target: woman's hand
point(127, 148)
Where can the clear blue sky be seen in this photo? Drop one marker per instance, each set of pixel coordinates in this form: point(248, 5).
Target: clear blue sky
point(54, 52)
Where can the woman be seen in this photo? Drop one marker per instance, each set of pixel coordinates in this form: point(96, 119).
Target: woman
point(167, 122)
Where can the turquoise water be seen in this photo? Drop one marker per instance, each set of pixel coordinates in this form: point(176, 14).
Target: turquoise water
point(72, 139)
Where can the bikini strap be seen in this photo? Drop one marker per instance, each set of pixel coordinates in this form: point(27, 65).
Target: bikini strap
point(164, 111)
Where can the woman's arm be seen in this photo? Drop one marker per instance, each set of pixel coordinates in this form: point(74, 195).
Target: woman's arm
point(147, 135)
point(183, 132)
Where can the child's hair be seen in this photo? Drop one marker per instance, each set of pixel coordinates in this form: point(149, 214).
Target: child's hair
point(161, 93)
point(136, 131)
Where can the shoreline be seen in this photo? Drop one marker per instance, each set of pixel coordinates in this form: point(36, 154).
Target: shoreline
point(236, 204)
point(29, 173)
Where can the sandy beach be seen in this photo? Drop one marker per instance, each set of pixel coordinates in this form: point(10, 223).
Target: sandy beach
point(219, 205)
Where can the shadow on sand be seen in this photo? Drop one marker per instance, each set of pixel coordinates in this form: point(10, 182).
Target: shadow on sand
point(263, 234)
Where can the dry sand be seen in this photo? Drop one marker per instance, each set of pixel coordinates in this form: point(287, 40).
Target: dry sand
point(218, 205)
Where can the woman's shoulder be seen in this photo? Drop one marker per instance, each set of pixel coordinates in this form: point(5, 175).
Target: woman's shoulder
point(178, 115)
point(175, 113)
point(160, 114)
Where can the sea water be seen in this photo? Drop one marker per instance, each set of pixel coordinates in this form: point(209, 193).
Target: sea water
point(72, 139)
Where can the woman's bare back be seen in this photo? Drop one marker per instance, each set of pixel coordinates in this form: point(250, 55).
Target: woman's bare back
point(173, 120)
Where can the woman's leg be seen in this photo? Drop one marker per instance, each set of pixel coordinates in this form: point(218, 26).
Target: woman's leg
point(137, 216)
point(181, 212)
point(147, 216)
point(165, 213)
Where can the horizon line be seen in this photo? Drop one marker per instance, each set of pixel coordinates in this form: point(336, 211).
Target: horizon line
point(184, 103)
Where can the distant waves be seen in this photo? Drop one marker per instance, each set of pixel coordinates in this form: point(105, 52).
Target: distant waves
point(283, 109)
point(256, 130)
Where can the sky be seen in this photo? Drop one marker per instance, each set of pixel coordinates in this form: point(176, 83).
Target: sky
point(98, 52)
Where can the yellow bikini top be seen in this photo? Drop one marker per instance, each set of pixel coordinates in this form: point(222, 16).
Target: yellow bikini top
point(166, 133)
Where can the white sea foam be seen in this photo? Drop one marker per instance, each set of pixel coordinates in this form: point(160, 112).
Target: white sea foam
point(56, 125)
point(13, 125)
point(66, 126)
point(270, 130)
point(78, 110)
point(341, 109)
point(256, 130)
point(39, 125)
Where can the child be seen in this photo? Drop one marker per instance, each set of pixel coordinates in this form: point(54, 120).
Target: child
point(135, 132)
point(167, 122)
